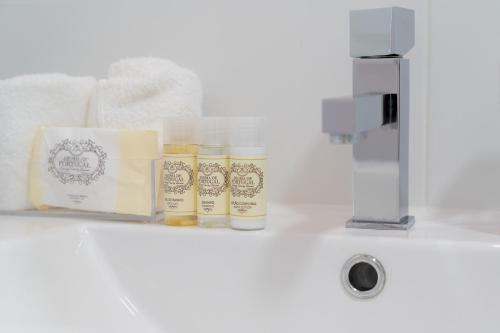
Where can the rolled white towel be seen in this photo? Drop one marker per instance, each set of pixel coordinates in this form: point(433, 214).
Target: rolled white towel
point(141, 91)
point(27, 102)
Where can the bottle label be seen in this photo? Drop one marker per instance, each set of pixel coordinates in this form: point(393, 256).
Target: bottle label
point(213, 183)
point(247, 187)
point(179, 181)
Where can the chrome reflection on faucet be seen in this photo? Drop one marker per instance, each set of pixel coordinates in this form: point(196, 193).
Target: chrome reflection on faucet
point(376, 119)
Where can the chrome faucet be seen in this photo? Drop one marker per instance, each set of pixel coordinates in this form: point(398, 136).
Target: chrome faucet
point(376, 119)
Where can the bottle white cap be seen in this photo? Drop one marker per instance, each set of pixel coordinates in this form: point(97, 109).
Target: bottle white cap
point(181, 130)
point(247, 132)
point(214, 131)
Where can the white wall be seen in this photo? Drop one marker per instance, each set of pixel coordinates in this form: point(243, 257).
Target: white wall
point(464, 109)
point(277, 58)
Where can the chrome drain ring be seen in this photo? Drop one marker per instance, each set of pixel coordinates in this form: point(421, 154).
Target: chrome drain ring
point(363, 276)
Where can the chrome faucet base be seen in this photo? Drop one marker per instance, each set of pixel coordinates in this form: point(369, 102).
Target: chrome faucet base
point(404, 224)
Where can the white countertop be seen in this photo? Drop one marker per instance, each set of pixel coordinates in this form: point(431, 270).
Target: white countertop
point(301, 220)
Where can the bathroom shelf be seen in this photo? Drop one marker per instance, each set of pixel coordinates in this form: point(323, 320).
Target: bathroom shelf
point(68, 213)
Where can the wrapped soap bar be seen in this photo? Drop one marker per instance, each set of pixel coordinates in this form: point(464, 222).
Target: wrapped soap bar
point(95, 169)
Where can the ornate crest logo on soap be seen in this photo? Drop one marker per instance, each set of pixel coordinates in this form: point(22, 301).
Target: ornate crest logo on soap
point(179, 177)
point(77, 161)
point(247, 180)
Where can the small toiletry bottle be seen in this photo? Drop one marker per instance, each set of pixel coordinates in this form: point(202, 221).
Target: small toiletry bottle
point(247, 175)
point(213, 174)
point(180, 137)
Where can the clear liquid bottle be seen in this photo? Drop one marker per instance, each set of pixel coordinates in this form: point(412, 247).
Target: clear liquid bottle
point(180, 137)
point(248, 178)
point(213, 174)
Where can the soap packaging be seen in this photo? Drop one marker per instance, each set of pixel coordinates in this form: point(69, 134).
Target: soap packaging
point(97, 170)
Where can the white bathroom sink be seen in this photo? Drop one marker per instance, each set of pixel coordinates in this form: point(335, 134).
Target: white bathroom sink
point(79, 276)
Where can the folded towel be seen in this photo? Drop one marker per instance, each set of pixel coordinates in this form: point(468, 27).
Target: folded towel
point(27, 102)
point(141, 91)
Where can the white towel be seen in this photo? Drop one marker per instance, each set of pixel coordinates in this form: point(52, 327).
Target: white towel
point(27, 102)
point(139, 92)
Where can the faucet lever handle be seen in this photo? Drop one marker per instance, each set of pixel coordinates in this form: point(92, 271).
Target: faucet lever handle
point(381, 32)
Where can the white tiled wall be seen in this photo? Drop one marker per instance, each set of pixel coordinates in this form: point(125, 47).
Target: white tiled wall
point(279, 58)
point(464, 111)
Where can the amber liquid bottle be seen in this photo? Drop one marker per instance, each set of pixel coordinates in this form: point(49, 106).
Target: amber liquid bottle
point(179, 170)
